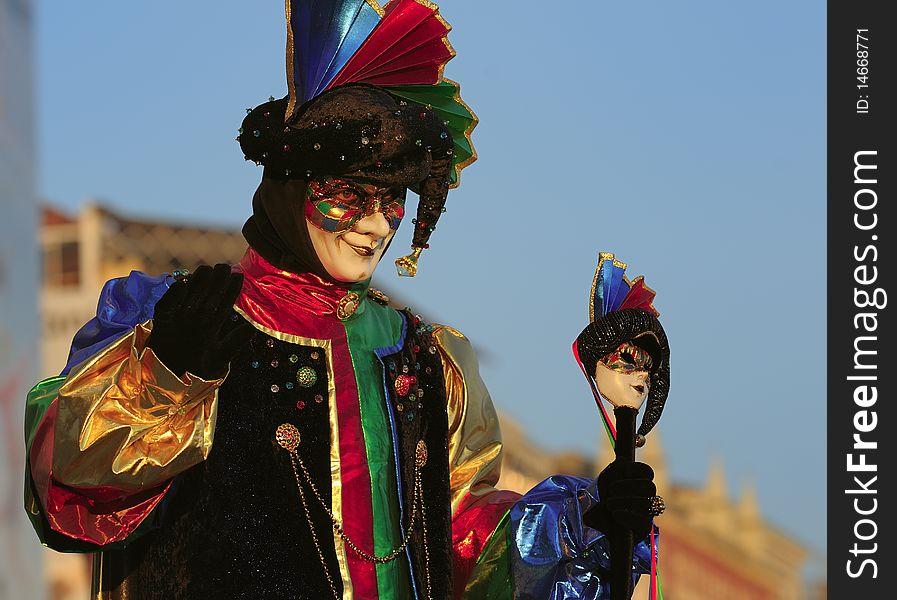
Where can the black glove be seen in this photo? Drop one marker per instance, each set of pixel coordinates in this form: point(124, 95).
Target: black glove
point(192, 326)
point(625, 491)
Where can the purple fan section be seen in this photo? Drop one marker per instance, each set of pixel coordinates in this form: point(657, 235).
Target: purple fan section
point(326, 33)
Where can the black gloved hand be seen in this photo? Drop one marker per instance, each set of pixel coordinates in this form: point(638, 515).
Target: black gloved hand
point(192, 328)
point(625, 491)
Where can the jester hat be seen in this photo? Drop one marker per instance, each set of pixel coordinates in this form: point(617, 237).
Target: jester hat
point(367, 99)
point(621, 310)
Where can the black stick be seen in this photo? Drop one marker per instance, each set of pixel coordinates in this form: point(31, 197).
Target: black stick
point(621, 540)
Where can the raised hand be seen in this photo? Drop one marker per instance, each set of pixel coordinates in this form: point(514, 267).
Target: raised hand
point(192, 329)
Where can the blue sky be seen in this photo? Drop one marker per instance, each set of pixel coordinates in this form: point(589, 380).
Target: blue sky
point(687, 137)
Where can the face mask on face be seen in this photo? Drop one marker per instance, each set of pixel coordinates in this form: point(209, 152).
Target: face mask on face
point(623, 376)
point(350, 224)
point(336, 205)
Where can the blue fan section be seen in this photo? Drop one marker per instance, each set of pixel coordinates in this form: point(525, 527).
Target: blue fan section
point(610, 290)
point(326, 33)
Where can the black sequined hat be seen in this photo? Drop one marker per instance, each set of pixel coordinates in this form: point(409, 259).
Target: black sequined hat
point(367, 99)
point(358, 131)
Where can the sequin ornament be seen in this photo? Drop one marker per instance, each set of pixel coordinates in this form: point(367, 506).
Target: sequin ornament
point(288, 437)
point(403, 384)
point(307, 377)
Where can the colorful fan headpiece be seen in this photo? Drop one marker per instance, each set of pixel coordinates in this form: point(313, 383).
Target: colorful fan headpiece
point(367, 98)
point(621, 310)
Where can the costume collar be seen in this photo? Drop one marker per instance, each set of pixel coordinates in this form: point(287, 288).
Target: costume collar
point(300, 304)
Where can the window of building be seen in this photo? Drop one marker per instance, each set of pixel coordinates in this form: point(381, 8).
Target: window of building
point(62, 265)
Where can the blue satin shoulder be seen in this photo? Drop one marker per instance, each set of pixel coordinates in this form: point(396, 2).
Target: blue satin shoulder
point(124, 303)
point(555, 556)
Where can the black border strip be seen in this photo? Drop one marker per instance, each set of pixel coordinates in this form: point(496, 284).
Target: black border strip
point(862, 168)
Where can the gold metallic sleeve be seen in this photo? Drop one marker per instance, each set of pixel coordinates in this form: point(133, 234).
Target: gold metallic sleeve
point(474, 435)
point(126, 421)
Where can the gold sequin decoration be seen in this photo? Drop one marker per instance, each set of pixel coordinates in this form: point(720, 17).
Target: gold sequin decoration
point(420, 454)
point(288, 437)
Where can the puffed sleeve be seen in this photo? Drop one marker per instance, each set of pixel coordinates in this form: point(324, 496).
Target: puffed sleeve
point(105, 439)
point(479, 511)
point(124, 420)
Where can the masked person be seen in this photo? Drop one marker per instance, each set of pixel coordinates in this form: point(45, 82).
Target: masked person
point(274, 429)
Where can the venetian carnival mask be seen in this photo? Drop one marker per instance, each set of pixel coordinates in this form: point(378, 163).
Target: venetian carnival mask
point(623, 376)
point(350, 224)
point(624, 352)
point(335, 205)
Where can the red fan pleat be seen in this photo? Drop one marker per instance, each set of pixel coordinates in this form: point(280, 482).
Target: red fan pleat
point(425, 43)
point(407, 47)
point(640, 296)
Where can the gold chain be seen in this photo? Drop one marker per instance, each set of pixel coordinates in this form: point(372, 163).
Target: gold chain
point(314, 537)
point(288, 438)
point(338, 528)
point(423, 515)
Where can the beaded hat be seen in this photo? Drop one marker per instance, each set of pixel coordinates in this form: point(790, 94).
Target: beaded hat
point(367, 99)
point(621, 310)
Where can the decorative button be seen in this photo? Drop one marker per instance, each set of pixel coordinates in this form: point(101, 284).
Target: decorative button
point(275, 363)
point(288, 437)
point(378, 296)
point(403, 384)
point(315, 355)
point(294, 359)
point(269, 342)
point(300, 404)
point(306, 376)
point(319, 398)
point(347, 306)
point(275, 388)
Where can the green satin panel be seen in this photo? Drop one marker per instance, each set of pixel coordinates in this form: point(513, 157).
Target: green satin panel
point(377, 327)
point(38, 401)
point(491, 577)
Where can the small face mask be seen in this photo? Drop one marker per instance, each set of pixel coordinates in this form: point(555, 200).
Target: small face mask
point(623, 376)
point(335, 205)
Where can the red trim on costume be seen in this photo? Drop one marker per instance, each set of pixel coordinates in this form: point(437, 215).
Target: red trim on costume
point(304, 305)
point(472, 527)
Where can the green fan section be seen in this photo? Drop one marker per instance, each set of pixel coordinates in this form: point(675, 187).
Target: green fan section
point(445, 100)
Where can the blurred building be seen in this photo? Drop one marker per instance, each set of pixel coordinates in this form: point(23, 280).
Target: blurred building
point(81, 252)
point(20, 564)
point(711, 547)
